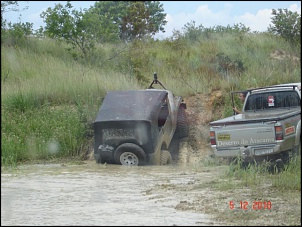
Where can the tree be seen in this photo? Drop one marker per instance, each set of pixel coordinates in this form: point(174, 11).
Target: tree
point(287, 24)
point(12, 34)
point(107, 18)
point(131, 19)
point(190, 31)
point(7, 6)
point(77, 28)
point(19, 31)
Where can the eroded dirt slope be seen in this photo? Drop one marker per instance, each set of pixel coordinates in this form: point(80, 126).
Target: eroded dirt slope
point(199, 112)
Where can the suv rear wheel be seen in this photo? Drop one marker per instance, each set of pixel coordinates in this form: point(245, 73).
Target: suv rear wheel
point(165, 158)
point(130, 154)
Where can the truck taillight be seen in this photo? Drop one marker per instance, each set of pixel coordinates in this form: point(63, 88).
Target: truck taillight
point(279, 132)
point(212, 138)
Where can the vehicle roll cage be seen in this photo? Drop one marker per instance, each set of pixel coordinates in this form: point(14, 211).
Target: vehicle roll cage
point(294, 86)
point(155, 81)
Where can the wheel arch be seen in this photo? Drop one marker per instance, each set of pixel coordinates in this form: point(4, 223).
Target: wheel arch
point(298, 134)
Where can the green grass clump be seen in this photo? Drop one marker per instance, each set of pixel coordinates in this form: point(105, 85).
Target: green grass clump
point(287, 177)
point(42, 133)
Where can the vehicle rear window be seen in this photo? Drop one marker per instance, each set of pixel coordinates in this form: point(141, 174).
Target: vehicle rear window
point(272, 100)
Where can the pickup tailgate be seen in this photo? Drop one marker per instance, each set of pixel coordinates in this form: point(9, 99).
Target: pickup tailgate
point(245, 134)
point(254, 128)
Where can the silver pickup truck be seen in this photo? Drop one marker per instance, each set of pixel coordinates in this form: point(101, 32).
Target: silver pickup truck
point(269, 127)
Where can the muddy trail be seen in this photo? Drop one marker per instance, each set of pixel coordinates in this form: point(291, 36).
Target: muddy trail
point(94, 194)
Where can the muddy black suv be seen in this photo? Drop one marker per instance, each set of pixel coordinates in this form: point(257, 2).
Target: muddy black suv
point(136, 127)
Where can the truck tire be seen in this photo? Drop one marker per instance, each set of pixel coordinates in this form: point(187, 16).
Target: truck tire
point(165, 158)
point(276, 166)
point(182, 128)
point(174, 147)
point(98, 161)
point(130, 154)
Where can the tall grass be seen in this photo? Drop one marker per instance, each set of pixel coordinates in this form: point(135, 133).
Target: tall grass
point(40, 134)
point(49, 99)
point(287, 177)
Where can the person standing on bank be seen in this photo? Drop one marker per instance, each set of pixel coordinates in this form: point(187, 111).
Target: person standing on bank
point(242, 96)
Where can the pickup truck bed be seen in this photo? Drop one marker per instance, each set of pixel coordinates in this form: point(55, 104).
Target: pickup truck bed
point(266, 130)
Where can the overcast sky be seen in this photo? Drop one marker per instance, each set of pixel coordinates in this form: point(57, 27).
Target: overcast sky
point(254, 14)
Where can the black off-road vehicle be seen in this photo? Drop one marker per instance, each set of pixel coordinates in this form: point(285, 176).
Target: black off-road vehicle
point(136, 127)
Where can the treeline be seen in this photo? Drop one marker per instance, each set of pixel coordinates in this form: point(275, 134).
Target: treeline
point(124, 22)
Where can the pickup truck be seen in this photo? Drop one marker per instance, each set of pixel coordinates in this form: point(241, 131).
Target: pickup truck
point(136, 127)
point(269, 127)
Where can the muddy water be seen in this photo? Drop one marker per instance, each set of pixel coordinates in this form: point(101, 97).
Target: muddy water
point(94, 194)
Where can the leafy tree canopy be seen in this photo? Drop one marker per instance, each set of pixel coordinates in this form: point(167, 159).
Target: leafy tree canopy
point(287, 24)
point(78, 28)
point(130, 19)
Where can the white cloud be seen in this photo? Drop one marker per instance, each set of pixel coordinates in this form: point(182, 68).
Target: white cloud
point(262, 20)
point(295, 8)
point(203, 15)
point(259, 22)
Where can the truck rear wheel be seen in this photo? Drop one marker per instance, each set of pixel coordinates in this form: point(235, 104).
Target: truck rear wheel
point(165, 158)
point(276, 166)
point(130, 154)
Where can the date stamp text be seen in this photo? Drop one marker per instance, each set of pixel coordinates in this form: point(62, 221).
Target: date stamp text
point(255, 205)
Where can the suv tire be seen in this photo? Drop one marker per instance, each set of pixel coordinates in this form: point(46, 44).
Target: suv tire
point(165, 158)
point(130, 154)
point(182, 128)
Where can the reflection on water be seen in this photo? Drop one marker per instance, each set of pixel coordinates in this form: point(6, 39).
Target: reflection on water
point(91, 194)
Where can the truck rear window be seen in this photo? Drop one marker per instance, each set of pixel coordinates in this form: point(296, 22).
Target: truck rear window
point(272, 100)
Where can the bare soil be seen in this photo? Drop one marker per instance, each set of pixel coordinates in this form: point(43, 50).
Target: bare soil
point(199, 112)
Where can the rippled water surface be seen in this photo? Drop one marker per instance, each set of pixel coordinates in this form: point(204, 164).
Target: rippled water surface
point(92, 194)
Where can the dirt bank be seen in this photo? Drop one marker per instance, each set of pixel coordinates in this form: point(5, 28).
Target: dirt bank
point(199, 111)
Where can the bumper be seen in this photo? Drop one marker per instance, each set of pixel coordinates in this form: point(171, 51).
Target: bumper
point(104, 154)
point(247, 153)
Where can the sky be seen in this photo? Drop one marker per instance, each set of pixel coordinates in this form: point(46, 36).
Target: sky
point(254, 14)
